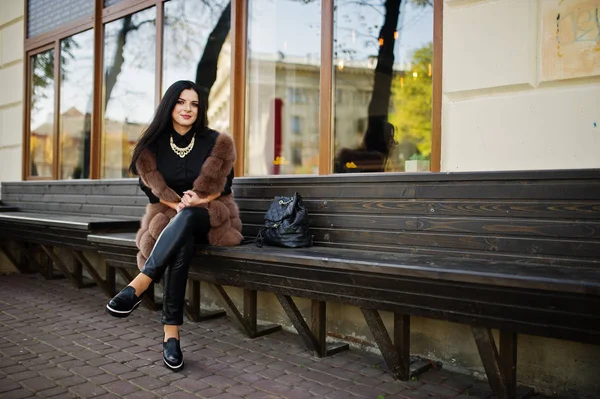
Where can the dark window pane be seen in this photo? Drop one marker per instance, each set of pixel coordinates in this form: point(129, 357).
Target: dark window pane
point(76, 92)
point(42, 114)
point(44, 15)
point(284, 52)
point(129, 67)
point(382, 54)
point(197, 48)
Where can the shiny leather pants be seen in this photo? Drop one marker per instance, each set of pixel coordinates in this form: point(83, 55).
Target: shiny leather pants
point(171, 256)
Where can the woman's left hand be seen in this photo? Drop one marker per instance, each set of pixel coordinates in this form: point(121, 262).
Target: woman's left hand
point(191, 198)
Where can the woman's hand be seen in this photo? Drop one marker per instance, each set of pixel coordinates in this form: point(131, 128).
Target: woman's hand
point(191, 198)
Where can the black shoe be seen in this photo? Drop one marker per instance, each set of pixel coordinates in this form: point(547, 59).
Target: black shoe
point(172, 355)
point(124, 302)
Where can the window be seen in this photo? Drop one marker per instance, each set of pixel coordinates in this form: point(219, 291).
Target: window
point(129, 67)
point(76, 100)
point(197, 47)
point(296, 125)
point(386, 58)
point(283, 60)
point(41, 119)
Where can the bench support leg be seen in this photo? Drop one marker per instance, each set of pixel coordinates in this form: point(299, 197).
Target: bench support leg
point(500, 368)
point(82, 261)
point(193, 309)
point(20, 264)
point(314, 337)
point(248, 321)
point(111, 280)
point(60, 264)
point(396, 356)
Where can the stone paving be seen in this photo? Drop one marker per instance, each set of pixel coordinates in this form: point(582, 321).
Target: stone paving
point(57, 342)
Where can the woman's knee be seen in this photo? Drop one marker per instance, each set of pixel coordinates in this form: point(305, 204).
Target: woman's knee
point(190, 216)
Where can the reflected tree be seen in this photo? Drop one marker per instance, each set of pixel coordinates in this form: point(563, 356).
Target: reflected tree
point(378, 139)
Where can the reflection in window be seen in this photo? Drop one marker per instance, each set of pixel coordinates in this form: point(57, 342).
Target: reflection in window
point(197, 47)
point(284, 51)
point(382, 57)
point(129, 64)
point(42, 114)
point(296, 124)
point(76, 96)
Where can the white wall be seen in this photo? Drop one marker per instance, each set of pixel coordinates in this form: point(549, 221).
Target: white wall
point(11, 92)
point(513, 98)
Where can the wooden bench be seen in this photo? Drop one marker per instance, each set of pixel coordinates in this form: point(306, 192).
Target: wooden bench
point(50, 215)
point(513, 251)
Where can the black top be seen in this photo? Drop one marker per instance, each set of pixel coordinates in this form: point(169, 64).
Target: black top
point(180, 173)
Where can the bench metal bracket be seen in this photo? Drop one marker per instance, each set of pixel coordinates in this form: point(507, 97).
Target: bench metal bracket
point(248, 321)
point(314, 337)
point(500, 366)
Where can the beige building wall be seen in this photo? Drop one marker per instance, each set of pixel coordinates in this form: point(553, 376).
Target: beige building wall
point(521, 85)
point(11, 92)
point(11, 97)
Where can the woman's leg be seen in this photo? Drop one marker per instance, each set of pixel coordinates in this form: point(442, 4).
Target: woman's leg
point(174, 286)
point(185, 224)
point(174, 236)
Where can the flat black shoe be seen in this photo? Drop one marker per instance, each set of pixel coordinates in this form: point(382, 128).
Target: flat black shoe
point(172, 355)
point(124, 302)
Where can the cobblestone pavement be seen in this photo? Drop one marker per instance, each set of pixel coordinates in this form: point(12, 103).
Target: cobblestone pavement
point(57, 342)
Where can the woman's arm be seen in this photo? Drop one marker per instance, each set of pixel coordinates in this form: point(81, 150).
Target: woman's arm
point(172, 205)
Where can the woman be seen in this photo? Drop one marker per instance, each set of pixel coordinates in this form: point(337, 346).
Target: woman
point(186, 170)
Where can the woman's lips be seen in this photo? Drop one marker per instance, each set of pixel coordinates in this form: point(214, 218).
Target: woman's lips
point(186, 116)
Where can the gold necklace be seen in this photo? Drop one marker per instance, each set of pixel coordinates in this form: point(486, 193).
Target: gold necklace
point(182, 152)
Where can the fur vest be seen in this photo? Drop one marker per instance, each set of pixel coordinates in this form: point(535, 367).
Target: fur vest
point(223, 212)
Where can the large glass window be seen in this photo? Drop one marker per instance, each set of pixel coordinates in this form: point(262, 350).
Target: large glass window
point(129, 68)
point(383, 86)
point(76, 100)
point(284, 53)
point(197, 47)
point(42, 114)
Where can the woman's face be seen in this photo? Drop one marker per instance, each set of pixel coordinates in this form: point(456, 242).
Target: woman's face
point(185, 112)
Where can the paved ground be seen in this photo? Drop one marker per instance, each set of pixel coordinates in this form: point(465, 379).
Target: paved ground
point(57, 342)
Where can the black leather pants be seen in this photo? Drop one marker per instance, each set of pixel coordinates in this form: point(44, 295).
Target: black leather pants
point(170, 259)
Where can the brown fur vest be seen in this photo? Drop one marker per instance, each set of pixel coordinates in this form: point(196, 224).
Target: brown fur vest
point(223, 212)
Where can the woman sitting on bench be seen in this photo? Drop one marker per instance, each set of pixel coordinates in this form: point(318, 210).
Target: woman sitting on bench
point(186, 170)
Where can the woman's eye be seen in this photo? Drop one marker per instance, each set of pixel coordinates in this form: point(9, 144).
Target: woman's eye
point(195, 105)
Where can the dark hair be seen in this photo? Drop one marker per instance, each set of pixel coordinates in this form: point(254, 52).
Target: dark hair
point(163, 119)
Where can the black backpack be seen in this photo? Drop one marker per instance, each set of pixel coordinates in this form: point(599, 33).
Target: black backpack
point(286, 224)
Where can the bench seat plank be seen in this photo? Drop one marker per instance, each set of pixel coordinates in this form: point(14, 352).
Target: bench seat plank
point(78, 222)
point(555, 278)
